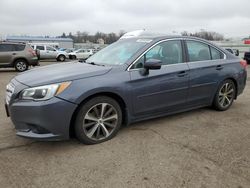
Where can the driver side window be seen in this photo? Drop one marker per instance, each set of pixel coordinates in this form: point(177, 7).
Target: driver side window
point(169, 52)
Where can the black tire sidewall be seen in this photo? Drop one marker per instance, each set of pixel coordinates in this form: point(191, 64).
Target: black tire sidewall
point(216, 99)
point(79, 132)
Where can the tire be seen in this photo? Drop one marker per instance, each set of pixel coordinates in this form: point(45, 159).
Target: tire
point(225, 95)
point(73, 57)
point(98, 120)
point(61, 58)
point(21, 65)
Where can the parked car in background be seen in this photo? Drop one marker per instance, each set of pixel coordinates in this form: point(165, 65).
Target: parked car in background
point(81, 54)
point(49, 52)
point(247, 57)
point(17, 55)
point(233, 51)
point(133, 79)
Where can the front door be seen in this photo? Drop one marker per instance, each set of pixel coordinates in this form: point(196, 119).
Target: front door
point(160, 90)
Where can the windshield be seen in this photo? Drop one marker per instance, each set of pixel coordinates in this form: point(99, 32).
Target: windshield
point(118, 53)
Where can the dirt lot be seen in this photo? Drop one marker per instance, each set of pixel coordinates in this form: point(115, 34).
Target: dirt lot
point(201, 148)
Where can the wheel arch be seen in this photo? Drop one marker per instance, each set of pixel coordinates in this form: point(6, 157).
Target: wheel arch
point(112, 95)
point(19, 58)
point(58, 55)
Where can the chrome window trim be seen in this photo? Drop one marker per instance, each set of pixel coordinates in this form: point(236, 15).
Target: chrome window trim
point(184, 39)
point(164, 40)
point(210, 45)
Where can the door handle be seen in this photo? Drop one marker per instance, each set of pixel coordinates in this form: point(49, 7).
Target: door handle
point(219, 67)
point(13, 53)
point(182, 73)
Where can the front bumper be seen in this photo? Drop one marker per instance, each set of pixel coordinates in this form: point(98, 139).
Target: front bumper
point(43, 120)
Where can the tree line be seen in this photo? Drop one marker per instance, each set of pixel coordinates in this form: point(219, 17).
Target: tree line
point(84, 36)
point(208, 35)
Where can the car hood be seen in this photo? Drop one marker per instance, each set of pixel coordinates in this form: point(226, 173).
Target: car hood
point(59, 73)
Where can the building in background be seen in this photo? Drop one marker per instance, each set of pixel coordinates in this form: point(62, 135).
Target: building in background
point(53, 41)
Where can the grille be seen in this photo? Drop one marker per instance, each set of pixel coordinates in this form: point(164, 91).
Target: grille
point(10, 88)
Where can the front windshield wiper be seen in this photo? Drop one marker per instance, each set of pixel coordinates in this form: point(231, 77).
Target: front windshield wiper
point(93, 63)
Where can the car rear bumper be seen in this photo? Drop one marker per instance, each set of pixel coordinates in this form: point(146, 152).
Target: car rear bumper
point(44, 120)
point(242, 79)
point(34, 61)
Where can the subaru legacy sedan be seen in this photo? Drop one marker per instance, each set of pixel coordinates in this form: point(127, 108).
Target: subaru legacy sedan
point(133, 79)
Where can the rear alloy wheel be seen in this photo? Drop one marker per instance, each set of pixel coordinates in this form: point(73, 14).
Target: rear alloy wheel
point(98, 120)
point(225, 95)
point(61, 58)
point(21, 65)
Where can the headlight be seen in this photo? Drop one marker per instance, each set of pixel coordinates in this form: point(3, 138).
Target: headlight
point(44, 92)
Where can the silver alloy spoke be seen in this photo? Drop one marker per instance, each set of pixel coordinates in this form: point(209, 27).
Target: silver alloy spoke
point(105, 130)
point(223, 101)
point(227, 99)
point(226, 86)
point(220, 99)
point(108, 112)
point(93, 130)
point(98, 132)
point(89, 124)
point(110, 117)
point(92, 118)
point(230, 91)
point(221, 94)
point(108, 124)
point(103, 109)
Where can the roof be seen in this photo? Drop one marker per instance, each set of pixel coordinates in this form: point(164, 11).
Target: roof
point(146, 34)
point(30, 38)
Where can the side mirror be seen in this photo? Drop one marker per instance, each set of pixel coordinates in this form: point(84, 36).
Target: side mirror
point(151, 64)
point(237, 52)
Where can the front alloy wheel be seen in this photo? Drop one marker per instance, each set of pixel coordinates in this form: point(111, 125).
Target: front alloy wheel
point(21, 65)
point(225, 95)
point(98, 120)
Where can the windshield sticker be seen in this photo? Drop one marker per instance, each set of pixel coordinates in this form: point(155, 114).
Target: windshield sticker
point(144, 40)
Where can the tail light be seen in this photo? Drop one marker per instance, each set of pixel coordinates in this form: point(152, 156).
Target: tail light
point(243, 63)
point(32, 52)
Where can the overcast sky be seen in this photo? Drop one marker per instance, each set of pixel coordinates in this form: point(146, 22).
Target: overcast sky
point(53, 17)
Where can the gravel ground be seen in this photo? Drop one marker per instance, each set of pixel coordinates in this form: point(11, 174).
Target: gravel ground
point(200, 148)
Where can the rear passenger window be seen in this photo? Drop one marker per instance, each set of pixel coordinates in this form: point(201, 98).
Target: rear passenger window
point(216, 54)
point(40, 47)
point(198, 51)
point(7, 47)
point(19, 47)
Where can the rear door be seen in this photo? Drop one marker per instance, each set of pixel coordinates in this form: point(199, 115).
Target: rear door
point(161, 90)
point(7, 52)
point(205, 63)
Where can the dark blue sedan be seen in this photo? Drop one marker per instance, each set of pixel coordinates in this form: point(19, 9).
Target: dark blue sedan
point(134, 79)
